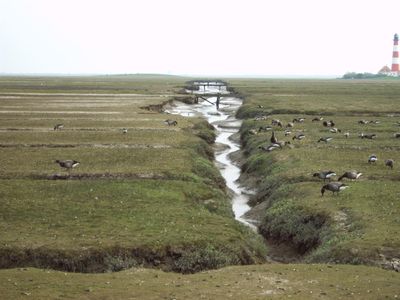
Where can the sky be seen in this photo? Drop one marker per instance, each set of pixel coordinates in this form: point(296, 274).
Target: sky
point(208, 37)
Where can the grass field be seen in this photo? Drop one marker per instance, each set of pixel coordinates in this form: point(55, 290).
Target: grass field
point(149, 197)
point(151, 200)
point(362, 224)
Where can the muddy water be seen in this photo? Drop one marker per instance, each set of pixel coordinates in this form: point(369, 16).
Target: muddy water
point(227, 125)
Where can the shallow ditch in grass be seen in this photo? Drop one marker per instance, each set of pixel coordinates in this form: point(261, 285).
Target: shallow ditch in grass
point(227, 128)
point(282, 246)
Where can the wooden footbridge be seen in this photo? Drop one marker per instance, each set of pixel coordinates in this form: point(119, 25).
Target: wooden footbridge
point(203, 89)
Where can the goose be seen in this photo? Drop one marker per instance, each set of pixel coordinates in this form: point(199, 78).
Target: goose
point(346, 134)
point(389, 163)
point(289, 125)
point(368, 136)
point(299, 120)
point(260, 106)
point(276, 122)
point(298, 137)
point(264, 128)
point(325, 139)
point(325, 175)
point(67, 164)
point(59, 126)
point(287, 132)
point(124, 130)
point(171, 122)
point(397, 135)
point(372, 158)
point(363, 122)
point(270, 147)
point(317, 119)
point(334, 130)
point(350, 175)
point(253, 131)
point(333, 187)
point(273, 138)
point(328, 123)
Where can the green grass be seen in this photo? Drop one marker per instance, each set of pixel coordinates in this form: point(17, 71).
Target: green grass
point(362, 224)
point(275, 281)
point(58, 219)
point(150, 197)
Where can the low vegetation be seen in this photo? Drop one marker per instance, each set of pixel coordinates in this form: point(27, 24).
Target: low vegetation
point(147, 207)
point(146, 193)
point(361, 224)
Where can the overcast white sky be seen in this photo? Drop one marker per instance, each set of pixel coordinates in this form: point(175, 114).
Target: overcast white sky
point(202, 37)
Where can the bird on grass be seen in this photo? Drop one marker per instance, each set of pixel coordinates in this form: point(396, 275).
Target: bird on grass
point(317, 119)
point(334, 187)
point(350, 175)
point(389, 163)
point(372, 158)
point(273, 139)
point(346, 134)
point(124, 130)
point(325, 139)
point(59, 126)
point(325, 175)
point(67, 164)
point(171, 122)
point(367, 136)
point(329, 123)
point(298, 137)
point(270, 148)
point(397, 135)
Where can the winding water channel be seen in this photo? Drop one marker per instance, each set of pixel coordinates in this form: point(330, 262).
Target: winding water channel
point(226, 125)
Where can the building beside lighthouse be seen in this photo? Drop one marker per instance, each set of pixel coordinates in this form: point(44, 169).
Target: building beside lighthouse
point(395, 57)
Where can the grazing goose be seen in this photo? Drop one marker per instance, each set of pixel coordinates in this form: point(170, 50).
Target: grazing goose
point(124, 130)
point(270, 147)
point(298, 120)
point(324, 175)
point(171, 122)
point(389, 163)
point(350, 175)
point(333, 187)
point(363, 122)
point(289, 125)
point(264, 128)
point(372, 159)
point(59, 127)
point(317, 119)
point(334, 130)
point(397, 135)
point(299, 137)
point(325, 139)
point(273, 138)
point(346, 134)
point(260, 106)
point(287, 132)
point(367, 136)
point(328, 123)
point(253, 131)
point(67, 164)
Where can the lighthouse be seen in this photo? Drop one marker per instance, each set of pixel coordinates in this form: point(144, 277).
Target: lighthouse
point(395, 56)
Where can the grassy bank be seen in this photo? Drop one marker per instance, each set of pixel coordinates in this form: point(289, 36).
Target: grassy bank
point(361, 225)
point(148, 197)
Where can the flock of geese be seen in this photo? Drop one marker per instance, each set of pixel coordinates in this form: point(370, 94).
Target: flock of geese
point(333, 186)
point(69, 164)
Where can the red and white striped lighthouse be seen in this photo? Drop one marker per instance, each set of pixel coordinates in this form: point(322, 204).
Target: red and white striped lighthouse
point(395, 57)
